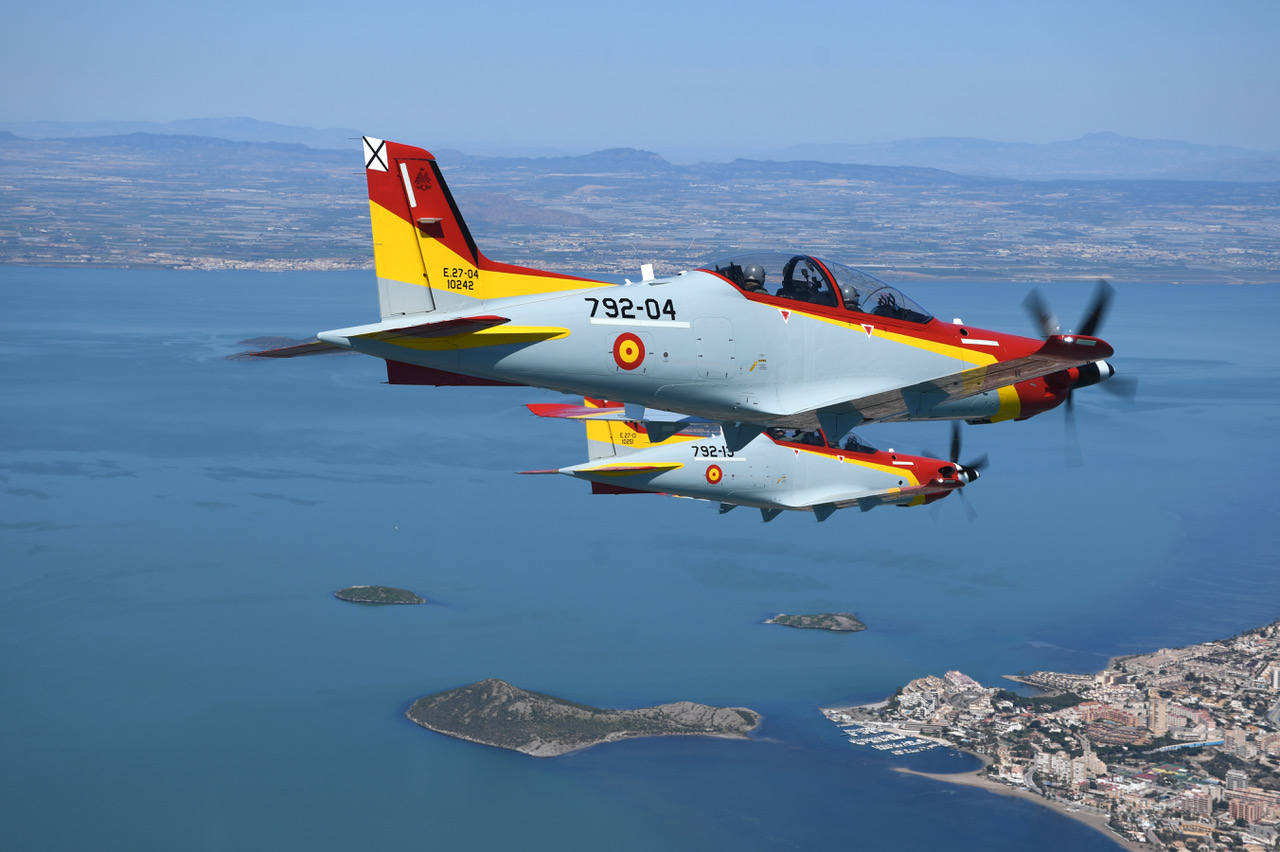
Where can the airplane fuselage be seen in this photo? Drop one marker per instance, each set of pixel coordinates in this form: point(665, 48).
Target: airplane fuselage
point(695, 343)
point(773, 474)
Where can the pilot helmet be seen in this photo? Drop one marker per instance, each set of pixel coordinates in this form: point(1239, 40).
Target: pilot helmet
point(753, 272)
point(851, 296)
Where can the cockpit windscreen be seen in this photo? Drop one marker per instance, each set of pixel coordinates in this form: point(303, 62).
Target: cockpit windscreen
point(805, 278)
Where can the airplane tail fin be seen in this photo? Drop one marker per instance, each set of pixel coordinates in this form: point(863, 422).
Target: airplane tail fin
point(610, 438)
point(425, 256)
point(607, 434)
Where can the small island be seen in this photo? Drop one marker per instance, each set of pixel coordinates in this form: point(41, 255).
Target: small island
point(493, 712)
point(378, 595)
point(840, 622)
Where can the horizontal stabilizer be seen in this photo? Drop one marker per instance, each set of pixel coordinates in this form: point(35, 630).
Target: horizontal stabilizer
point(400, 373)
point(610, 488)
point(568, 411)
point(408, 335)
point(623, 469)
point(311, 347)
point(466, 333)
point(445, 328)
point(609, 411)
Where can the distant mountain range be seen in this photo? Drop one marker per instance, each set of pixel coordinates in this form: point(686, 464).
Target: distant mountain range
point(185, 201)
point(1097, 156)
point(234, 129)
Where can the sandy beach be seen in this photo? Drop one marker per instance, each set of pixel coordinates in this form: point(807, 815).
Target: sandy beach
point(1094, 820)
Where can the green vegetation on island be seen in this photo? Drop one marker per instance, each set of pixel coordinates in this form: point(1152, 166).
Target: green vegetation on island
point(493, 712)
point(378, 595)
point(840, 622)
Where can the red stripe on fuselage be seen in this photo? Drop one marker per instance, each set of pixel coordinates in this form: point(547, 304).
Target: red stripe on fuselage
point(934, 331)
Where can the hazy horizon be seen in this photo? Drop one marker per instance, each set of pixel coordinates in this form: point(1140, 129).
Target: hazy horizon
point(936, 151)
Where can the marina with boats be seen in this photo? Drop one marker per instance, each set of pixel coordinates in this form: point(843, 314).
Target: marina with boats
point(878, 737)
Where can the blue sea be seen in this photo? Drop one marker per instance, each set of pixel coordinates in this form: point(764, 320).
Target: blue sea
point(175, 672)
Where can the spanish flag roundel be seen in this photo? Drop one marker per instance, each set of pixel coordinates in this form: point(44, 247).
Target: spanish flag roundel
point(714, 474)
point(628, 351)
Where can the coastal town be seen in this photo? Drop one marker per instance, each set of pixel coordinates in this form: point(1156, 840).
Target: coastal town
point(1176, 749)
point(194, 203)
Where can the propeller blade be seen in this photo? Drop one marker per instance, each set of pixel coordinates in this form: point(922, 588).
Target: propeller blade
point(1098, 310)
point(1071, 447)
point(1040, 313)
point(969, 512)
point(979, 464)
point(1125, 387)
point(955, 441)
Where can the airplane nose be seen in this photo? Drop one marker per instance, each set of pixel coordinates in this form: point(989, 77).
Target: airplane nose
point(966, 474)
point(1092, 374)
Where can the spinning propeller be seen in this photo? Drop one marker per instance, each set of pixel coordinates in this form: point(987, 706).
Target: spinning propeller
point(966, 473)
point(1125, 387)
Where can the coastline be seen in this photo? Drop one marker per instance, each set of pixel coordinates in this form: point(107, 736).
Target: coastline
point(1096, 821)
point(978, 778)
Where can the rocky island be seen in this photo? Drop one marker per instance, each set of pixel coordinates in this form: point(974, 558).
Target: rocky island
point(493, 712)
point(840, 622)
point(378, 595)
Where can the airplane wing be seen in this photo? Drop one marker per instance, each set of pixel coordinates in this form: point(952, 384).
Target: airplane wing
point(1059, 352)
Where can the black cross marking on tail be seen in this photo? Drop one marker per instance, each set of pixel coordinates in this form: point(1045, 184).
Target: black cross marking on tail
point(375, 155)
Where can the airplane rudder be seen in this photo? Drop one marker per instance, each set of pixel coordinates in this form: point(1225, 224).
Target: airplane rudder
point(421, 242)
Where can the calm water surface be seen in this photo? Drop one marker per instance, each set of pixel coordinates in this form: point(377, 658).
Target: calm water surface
point(175, 672)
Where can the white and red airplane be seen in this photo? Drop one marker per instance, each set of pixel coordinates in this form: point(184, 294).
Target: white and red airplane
point(751, 341)
point(780, 469)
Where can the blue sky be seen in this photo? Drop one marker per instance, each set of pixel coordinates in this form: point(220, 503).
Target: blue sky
point(580, 76)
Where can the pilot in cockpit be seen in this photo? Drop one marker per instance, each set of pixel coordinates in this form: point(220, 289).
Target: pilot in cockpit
point(857, 445)
point(851, 297)
point(753, 278)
